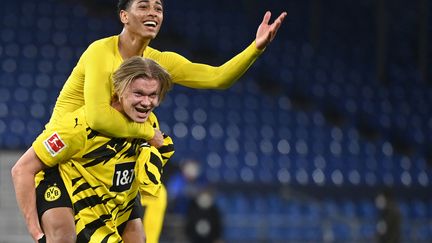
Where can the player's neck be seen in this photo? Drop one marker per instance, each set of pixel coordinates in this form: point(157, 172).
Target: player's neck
point(130, 45)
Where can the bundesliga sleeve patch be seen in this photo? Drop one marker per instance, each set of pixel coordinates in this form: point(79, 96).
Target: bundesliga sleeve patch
point(54, 144)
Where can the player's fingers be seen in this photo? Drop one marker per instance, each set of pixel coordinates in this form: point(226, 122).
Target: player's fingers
point(280, 19)
point(277, 23)
point(266, 18)
point(282, 16)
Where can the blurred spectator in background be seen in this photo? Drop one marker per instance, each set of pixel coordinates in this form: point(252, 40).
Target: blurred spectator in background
point(203, 219)
point(389, 224)
point(190, 196)
point(183, 185)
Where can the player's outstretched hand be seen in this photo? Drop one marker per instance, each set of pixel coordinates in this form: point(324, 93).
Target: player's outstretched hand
point(266, 32)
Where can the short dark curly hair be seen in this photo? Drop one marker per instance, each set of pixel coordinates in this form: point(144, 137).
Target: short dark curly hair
point(123, 5)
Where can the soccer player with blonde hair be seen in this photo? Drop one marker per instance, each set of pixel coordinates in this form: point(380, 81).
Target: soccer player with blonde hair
point(94, 179)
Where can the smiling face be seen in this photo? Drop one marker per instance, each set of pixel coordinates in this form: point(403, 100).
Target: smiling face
point(143, 18)
point(140, 98)
point(140, 84)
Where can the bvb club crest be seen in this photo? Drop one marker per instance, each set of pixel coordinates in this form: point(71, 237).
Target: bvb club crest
point(52, 193)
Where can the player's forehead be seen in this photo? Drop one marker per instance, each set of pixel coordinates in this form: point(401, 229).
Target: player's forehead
point(159, 2)
point(144, 83)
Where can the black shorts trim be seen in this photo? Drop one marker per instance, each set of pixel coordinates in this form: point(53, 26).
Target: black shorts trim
point(51, 192)
point(137, 212)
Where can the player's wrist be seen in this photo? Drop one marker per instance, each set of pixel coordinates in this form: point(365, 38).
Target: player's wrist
point(38, 236)
point(42, 239)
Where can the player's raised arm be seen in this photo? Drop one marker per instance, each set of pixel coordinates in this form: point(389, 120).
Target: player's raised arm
point(198, 75)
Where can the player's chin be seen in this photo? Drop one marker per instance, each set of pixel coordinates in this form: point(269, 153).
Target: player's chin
point(140, 118)
point(151, 34)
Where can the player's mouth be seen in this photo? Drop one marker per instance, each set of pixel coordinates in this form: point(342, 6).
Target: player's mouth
point(143, 111)
point(150, 23)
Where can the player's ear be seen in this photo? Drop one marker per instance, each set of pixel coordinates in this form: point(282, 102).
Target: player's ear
point(123, 16)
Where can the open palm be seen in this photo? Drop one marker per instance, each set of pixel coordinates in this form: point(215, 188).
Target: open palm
point(266, 32)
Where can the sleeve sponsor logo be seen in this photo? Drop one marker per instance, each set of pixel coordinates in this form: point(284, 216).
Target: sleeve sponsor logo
point(54, 144)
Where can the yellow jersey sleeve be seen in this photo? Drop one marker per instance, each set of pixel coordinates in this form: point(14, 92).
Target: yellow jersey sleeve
point(150, 162)
point(167, 148)
point(62, 141)
point(98, 63)
point(90, 84)
point(202, 76)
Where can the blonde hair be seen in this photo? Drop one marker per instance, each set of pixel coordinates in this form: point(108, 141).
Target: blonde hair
point(140, 67)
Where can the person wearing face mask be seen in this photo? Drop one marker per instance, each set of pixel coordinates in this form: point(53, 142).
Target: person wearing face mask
point(204, 219)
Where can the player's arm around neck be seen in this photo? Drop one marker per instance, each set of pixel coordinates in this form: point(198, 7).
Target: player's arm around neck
point(97, 95)
point(23, 178)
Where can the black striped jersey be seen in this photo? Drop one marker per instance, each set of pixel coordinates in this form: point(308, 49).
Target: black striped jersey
point(102, 174)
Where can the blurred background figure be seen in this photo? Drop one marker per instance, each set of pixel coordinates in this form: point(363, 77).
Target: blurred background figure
point(389, 224)
point(183, 184)
point(203, 219)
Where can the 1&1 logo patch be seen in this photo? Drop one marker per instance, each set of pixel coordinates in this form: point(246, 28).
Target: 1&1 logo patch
point(52, 193)
point(123, 177)
point(54, 144)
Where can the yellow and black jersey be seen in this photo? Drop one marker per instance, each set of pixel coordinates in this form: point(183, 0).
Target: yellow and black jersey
point(99, 172)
